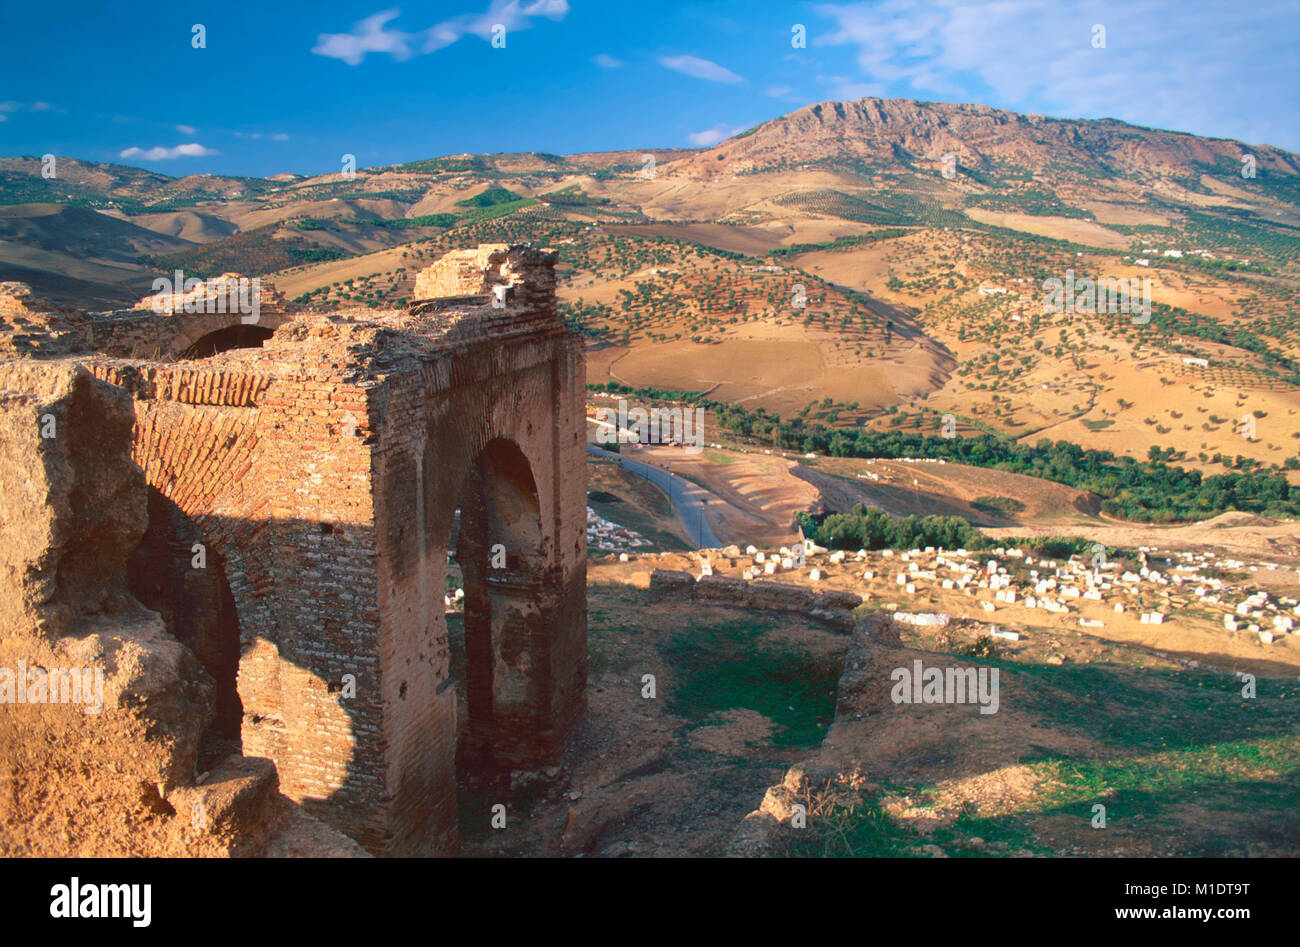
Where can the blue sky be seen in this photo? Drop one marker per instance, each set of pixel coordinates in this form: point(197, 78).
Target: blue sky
point(292, 86)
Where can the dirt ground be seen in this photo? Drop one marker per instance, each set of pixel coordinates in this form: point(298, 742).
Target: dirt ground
point(1182, 764)
point(676, 773)
point(1173, 759)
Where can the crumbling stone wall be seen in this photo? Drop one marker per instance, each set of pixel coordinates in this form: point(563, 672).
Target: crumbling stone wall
point(768, 830)
point(829, 605)
point(319, 475)
point(31, 327)
point(75, 505)
point(102, 712)
point(467, 272)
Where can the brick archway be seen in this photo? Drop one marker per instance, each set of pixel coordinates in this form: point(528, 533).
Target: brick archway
point(499, 549)
point(238, 336)
point(324, 467)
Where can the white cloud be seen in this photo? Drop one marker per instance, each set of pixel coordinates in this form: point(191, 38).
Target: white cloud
point(607, 62)
point(777, 91)
point(368, 36)
point(186, 129)
point(193, 150)
point(12, 106)
point(372, 35)
point(711, 136)
point(700, 69)
point(279, 136)
point(1202, 71)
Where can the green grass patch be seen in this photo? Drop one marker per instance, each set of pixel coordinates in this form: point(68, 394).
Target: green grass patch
point(726, 665)
point(496, 210)
point(1252, 772)
point(573, 196)
point(1148, 709)
point(1182, 760)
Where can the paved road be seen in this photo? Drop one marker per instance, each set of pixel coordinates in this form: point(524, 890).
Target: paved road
point(688, 499)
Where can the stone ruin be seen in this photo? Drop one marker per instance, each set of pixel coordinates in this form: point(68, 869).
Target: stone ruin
point(249, 528)
point(832, 606)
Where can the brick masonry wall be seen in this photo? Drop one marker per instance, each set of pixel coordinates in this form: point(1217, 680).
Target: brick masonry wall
point(324, 469)
point(141, 334)
point(279, 485)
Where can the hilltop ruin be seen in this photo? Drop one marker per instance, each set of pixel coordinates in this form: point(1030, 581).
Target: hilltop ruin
point(281, 496)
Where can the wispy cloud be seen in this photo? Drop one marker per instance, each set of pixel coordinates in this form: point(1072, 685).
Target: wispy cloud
point(700, 69)
point(10, 107)
point(368, 36)
point(711, 136)
point(192, 150)
point(605, 61)
point(777, 91)
point(372, 34)
point(186, 129)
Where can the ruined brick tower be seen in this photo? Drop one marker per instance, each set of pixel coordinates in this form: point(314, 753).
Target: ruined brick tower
point(319, 475)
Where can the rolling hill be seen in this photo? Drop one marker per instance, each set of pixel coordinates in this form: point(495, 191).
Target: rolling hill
point(919, 233)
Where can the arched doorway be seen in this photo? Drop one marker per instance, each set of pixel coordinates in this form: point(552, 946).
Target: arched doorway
point(500, 654)
point(495, 682)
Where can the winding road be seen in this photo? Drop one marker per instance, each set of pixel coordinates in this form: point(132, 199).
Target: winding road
point(688, 499)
